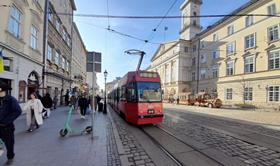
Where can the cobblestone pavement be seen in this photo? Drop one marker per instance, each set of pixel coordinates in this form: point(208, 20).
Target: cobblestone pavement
point(247, 152)
point(263, 118)
point(113, 158)
point(253, 127)
point(135, 153)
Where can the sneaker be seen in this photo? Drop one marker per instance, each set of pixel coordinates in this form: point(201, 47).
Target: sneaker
point(29, 130)
point(83, 117)
point(9, 162)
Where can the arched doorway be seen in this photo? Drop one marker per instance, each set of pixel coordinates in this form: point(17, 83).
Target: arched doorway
point(32, 82)
point(22, 91)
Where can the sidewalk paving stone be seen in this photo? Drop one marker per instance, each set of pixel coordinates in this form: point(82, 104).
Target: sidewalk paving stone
point(44, 147)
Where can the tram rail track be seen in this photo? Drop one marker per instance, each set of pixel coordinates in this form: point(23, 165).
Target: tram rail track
point(170, 154)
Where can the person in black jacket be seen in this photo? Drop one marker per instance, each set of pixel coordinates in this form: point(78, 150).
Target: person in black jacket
point(9, 112)
point(83, 104)
point(47, 103)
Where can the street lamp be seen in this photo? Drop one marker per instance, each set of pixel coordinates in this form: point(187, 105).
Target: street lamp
point(105, 99)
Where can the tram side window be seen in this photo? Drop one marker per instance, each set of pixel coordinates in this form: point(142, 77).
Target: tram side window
point(131, 93)
point(118, 94)
point(122, 93)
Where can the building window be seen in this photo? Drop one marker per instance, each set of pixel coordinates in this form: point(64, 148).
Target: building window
point(173, 74)
point(249, 21)
point(15, 22)
point(230, 30)
point(273, 93)
point(60, 61)
point(186, 49)
point(274, 60)
point(50, 53)
point(63, 63)
point(203, 58)
point(56, 58)
point(194, 48)
point(271, 9)
point(215, 37)
point(167, 74)
point(248, 94)
point(67, 66)
point(230, 68)
point(64, 34)
point(230, 48)
point(216, 54)
point(193, 76)
point(69, 41)
point(194, 22)
point(57, 25)
point(273, 33)
point(249, 63)
point(215, 72)
point(202, 45)
point(250, 41)
point(203, 74)
point(50, 15)
point(229, 94)
point(34, 37)
point(193, 61)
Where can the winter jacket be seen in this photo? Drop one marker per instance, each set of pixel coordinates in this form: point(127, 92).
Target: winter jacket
point(47, 101)
point(38, 108)
point(83, 102)
point(9, 110)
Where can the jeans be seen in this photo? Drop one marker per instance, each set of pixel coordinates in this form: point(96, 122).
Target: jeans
point(7, 136)
point(33, 120)
point(83, 111)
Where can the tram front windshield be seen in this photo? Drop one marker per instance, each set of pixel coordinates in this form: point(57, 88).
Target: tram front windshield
point(149, 91)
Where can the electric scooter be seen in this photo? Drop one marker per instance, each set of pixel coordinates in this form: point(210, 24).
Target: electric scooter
point(67, 128)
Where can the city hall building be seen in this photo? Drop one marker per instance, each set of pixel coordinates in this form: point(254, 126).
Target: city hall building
point(237, 58)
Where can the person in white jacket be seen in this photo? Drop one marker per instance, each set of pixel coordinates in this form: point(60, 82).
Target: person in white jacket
point(33, 109)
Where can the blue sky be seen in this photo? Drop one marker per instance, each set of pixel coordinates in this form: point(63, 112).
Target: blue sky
point(112, 46)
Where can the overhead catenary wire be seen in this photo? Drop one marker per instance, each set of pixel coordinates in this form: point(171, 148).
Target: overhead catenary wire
point(167, 17)
point(160, 22)
point(151, 36)
point(121, 33)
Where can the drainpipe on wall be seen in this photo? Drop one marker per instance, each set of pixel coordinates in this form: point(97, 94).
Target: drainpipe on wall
point(45, 42)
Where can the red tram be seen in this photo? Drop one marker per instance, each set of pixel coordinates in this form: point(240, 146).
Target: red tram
point(138, 98)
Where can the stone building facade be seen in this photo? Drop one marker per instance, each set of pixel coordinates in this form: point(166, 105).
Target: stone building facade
point(21, 36)
point(59, 47)
point(237, 58)
point(78, 65)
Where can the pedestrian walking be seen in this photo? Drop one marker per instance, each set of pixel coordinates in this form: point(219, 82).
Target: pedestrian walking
point(73, 101)
point(9, 112)
point(37, 93)
point(66, 96)
point(83, 104)
point(99, 104)
point(47, 103)
point(55, 100)
point(34, 109)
